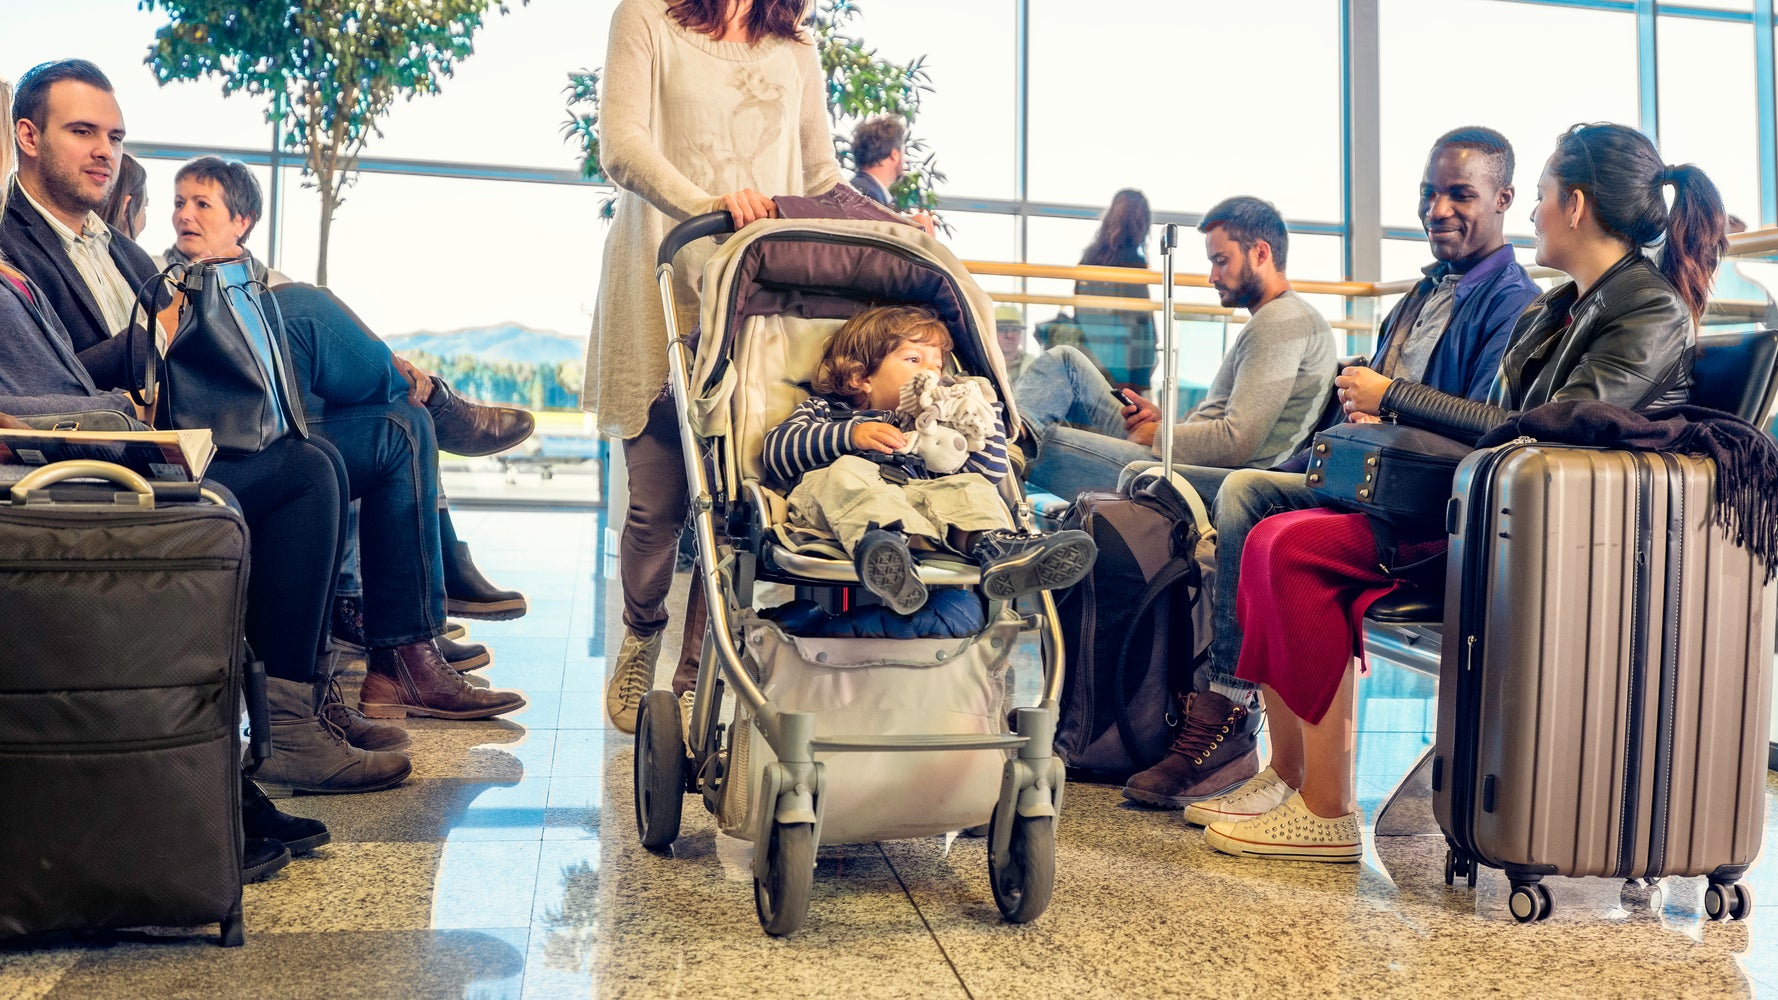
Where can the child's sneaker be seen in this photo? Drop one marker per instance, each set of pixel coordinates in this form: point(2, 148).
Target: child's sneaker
point(886, 569)
point(1015, 563)
point(1259, 794)
point(1291, 832)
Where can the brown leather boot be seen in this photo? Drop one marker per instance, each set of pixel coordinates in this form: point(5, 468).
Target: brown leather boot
point(1215, 750)
point(472, 429)
point(415, 680)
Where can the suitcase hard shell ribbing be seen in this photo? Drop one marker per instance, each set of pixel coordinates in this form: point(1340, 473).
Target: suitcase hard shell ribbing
point(1605, 671)
point(120, 752)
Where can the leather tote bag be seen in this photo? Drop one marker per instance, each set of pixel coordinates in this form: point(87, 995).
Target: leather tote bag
point(227, 365)
point(1398, 475)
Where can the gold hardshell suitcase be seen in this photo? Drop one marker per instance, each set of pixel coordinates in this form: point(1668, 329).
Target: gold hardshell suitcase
point(1605, 678)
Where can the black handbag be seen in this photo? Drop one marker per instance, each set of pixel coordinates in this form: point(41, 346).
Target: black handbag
point(227, 365)
point(1399, 475)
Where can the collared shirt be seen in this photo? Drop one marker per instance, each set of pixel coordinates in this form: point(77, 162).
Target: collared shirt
point(90, 252)
point(1415, 352)
point(1427, 313)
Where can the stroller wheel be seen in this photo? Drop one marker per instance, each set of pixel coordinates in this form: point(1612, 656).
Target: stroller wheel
point(1024, 878)
point(782, 897)
point(660, 770)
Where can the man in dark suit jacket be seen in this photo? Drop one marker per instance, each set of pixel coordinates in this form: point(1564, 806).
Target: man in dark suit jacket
point(878, 149)
point(69, 133)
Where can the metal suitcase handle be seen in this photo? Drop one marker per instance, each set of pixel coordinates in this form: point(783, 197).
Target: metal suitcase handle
point(140, 489)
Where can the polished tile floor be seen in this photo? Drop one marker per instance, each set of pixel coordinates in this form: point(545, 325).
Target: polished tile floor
point(508, 867)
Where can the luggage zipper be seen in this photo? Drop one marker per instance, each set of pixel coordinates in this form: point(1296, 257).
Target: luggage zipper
point(1665, 732)
point(123, 746)
point(97, 565)
point(1465, 741)
point(1627, 817)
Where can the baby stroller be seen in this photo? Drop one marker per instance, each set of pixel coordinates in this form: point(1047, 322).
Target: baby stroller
point(834, 740)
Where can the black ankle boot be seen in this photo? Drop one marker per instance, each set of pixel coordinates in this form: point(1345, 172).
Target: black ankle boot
point(468, 594)
point(259, 818)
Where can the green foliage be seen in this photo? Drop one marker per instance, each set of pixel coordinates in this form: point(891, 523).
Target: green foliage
point(329, 68)
point(859, 85)
point(582, 128)
point(550, 386)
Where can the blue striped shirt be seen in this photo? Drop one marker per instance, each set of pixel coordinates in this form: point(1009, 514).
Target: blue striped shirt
point(819, 431)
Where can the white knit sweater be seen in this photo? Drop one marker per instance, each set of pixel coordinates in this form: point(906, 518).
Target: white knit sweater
point(685, 120)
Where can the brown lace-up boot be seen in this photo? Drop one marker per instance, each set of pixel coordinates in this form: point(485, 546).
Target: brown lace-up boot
point(1216, 749)
point(415, 680)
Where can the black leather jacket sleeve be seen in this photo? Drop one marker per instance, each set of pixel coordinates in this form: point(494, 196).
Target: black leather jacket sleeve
point(1421, 405)
point(1629, 344)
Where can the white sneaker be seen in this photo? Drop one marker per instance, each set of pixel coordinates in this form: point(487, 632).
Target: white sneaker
point(1253, 797)
point(631, 677)
point(686, 699)
point(1291, 833)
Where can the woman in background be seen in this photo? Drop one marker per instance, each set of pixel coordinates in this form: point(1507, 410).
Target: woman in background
point(127, 208)
point(1121, 340)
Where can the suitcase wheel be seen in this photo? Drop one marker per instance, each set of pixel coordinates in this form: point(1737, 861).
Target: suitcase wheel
point(1728, 901)
point(1530, 901)
point(1459, 866)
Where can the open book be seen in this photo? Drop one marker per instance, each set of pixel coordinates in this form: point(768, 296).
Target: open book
point(163, 456)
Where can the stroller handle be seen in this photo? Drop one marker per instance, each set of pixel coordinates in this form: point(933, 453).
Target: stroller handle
point(692, 230)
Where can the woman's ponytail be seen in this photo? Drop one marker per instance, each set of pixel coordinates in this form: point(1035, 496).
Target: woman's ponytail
point(1697, 234)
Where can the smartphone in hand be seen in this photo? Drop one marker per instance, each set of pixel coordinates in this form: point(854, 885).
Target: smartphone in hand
point(1124, 397)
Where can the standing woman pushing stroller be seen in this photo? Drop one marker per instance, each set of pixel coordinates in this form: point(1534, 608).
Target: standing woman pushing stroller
point(707, 104)
point(1619, 332)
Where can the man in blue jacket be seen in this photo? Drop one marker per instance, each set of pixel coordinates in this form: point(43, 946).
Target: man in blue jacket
point(1449, 333)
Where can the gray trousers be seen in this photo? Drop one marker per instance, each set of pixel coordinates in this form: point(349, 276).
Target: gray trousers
point(660, 499)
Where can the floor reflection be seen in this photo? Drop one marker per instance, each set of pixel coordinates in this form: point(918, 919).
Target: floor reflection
point(508, 867)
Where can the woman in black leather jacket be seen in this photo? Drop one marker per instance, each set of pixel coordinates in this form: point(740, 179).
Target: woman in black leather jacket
point(1620, 331)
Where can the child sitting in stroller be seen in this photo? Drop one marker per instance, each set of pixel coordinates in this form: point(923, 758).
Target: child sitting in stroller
point(855, 470)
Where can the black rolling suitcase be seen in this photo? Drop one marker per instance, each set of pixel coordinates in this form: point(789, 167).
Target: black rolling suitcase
point(120, 748)
point(1605, 677)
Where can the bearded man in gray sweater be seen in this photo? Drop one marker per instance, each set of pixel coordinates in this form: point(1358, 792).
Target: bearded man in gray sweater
point(1263, 402)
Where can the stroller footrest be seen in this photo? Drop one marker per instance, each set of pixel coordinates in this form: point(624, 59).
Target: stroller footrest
point(965, 741)
point(826, 570)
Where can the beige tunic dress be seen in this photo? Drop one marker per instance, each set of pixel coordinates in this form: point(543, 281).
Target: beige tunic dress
point(685, 120)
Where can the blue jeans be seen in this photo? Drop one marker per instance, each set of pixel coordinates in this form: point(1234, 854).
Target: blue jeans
point(356, 399)
point(1246, 496)
point(392, 470)
point(337, 360)
point(1062, 387)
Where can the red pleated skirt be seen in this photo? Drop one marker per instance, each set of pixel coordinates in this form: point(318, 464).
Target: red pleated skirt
point(1307, 578)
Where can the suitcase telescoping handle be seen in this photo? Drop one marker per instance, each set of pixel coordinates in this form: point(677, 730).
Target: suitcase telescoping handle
point(26, 490)
point(33, 486)
point(1169, 349)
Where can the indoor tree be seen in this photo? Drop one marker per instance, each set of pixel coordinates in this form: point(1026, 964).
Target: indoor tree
point(330, 69)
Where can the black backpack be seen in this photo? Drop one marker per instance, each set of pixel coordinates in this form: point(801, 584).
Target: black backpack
point(1137, 628)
